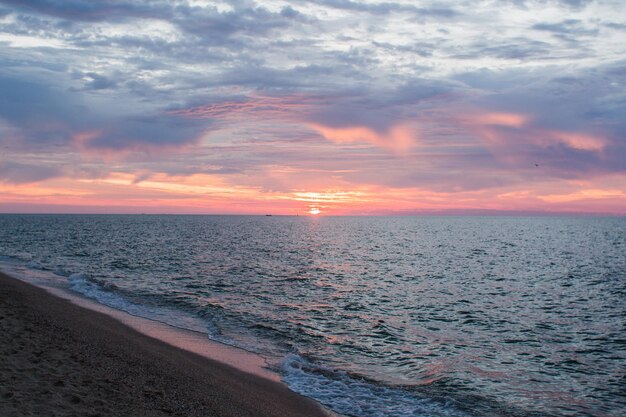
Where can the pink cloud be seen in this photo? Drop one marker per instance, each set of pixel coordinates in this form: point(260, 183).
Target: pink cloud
point(399, 139)
point(579, 141)
point(516, 120)
point(300, 109)
point(503, 129)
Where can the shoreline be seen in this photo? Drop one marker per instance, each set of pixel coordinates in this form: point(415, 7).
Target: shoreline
point(61, 358)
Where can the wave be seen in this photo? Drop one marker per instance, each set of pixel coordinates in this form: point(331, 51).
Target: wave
point(341, 392)
point(353, 396)
point(105, 293)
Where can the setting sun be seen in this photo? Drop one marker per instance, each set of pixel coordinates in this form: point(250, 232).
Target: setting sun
point(314, 211)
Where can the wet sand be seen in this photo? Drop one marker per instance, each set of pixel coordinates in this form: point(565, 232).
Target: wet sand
point(59, 359)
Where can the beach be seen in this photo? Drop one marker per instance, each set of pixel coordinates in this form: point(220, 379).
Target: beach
point(59, 359)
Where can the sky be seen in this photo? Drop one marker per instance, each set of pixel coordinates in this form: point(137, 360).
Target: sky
point(337, 107)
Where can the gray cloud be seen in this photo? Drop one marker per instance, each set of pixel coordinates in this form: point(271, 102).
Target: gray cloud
point(615, 26)
point(99, 82)
point(44, 114)
point(576, 3)
point(518, 49)
point(390, 7)
point(569, 26)
point(51, 116)
point(146, 132)
point(570, 4)
point(372, 65)
point(18, 173)
point(207, 22)
point(87, 10)
point(376, 109)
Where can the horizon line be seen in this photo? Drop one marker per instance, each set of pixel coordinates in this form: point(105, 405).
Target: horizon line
point(442, 213)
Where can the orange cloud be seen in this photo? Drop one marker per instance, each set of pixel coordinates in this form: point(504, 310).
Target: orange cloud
point(399, 139)
point(330, 194)
point(516, 120)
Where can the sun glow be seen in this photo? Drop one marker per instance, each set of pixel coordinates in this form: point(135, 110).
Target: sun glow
point(314, 211)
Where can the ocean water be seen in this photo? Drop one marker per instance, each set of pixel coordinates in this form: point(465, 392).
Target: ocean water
point(371, 316)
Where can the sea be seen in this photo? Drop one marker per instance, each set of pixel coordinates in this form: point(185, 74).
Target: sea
point(370, 316)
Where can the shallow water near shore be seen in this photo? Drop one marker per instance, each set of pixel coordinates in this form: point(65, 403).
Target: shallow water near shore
point(371, 316)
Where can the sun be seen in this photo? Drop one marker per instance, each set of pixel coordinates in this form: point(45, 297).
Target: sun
point(314, 211)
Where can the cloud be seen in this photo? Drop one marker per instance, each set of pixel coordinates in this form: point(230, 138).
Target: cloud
point(453, 97)
point(571, 124)
point(141, 133)
point(210, 22)
point(399, 138)
point(383, 8)
point(18, 173)
point(87, 10)
point(44, 116)
point(25, 102)
point(207, 21)
point(569, 26)
point(99, 82)
point(570, 4)
point(381, 118)
point(575, 3)
point(511, 49)
point(517, 141)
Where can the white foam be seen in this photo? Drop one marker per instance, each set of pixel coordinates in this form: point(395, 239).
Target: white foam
point(34, 265)
point(61, 272)
point(356, 397)
point(102, 293)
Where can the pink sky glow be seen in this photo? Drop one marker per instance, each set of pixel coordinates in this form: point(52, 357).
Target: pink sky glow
point(337, 108)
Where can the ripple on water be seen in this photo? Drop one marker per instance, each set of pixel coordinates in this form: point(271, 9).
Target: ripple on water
point(508, 315)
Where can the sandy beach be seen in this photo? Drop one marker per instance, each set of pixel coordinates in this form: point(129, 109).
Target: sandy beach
point(59, 359)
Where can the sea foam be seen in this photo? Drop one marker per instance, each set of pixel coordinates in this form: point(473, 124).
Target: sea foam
point(104, 293)
point(357, 397)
